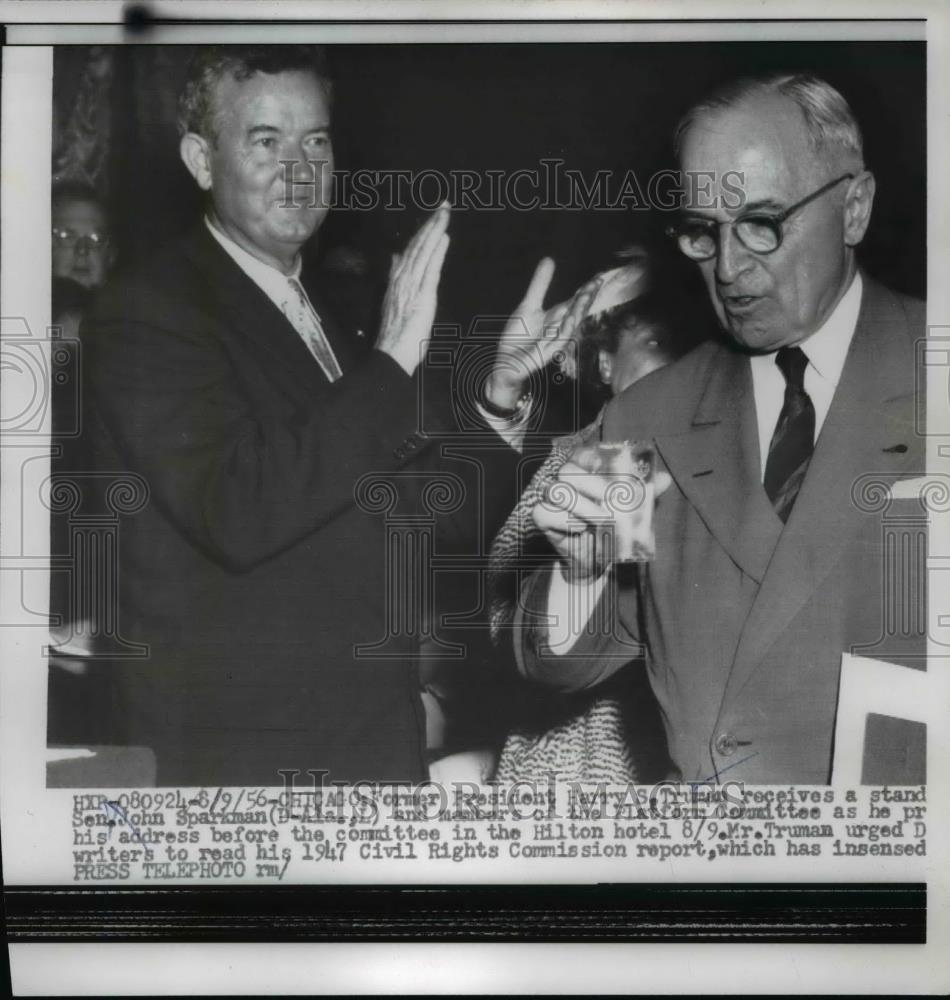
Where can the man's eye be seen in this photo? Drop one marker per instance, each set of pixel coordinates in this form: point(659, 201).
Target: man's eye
point(318, 141)
point(760, 221)
point(758, 225)
point(696, 228)
point(265, 141)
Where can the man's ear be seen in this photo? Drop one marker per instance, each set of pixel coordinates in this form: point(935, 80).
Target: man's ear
point(605, 366)
point(196, 156)
point(857, 207)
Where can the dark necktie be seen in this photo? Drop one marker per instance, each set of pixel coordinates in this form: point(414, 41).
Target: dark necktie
point(794, 439)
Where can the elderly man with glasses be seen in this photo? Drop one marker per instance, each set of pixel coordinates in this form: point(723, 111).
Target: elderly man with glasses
point(767, 567)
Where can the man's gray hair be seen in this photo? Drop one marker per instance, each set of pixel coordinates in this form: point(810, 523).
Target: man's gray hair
point(828, 116)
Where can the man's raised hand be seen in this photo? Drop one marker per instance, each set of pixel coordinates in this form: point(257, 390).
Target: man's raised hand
point(412, 294)
point(534, 334)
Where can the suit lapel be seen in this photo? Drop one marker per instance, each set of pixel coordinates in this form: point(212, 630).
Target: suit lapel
point(344, 347)
point(715, 463)
point(869, 428)
point(252, 316)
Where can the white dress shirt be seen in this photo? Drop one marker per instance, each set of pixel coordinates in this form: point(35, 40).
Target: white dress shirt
point(286, 292)
point(571, 605)
point(826, 350)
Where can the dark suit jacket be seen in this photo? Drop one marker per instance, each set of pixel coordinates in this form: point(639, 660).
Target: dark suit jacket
point(252, 573)
point(745, 621)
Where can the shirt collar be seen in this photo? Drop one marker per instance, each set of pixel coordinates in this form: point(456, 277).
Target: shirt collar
point(272, 282)
point(827, 347)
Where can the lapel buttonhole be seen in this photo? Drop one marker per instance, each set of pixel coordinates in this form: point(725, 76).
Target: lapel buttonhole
point(896, 449)
point(705, 472)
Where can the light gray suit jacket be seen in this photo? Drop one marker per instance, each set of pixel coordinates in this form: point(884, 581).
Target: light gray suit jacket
point(744, 620)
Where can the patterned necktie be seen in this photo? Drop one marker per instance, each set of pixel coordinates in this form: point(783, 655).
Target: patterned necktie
point(306, 322)
point(794, 439)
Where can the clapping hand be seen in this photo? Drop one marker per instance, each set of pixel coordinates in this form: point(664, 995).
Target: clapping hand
point(533, 335)
point(412, 294)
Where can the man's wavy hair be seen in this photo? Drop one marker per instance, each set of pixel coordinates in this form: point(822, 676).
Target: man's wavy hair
point(211, 64)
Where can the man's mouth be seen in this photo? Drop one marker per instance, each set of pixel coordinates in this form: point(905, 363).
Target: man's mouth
point(734, 303)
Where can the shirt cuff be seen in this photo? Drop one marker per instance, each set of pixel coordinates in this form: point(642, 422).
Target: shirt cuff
point(570, 607)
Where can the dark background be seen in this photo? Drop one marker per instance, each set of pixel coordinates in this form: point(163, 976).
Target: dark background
point(507, 107)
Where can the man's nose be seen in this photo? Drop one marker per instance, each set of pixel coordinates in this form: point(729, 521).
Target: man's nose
point(732, 258)
point(301, 178)
point(83, 246)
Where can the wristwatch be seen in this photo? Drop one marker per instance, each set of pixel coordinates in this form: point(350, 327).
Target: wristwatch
point(524, 400)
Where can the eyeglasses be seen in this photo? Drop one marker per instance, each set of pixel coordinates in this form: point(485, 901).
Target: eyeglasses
point(68, 239)
point(758, 232)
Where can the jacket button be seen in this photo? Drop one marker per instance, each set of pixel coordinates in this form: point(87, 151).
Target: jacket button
point(399, 453)
point(726, 744)
point(410, 444)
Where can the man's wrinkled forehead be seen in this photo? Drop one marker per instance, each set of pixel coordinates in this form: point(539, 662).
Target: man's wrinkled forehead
point(763, 139)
